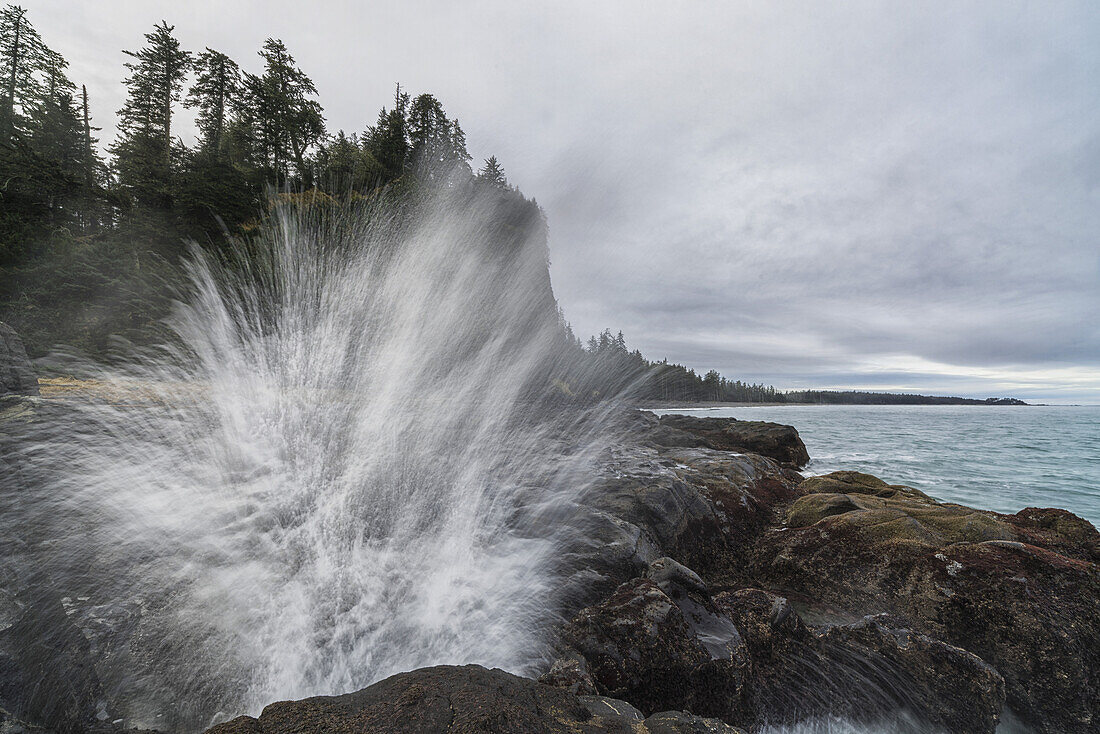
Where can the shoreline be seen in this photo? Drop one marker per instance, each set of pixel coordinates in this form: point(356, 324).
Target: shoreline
point(672, 405)
point(675, 405)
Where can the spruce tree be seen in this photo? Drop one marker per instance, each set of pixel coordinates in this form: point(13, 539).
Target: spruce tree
point(245, 134)
point(144, 149)
point(215, 93)
point(91, 166)
point(291, 123)
point(56, 132)
point(492, 173)
point(23, 56)
point(429, 132)
point(434, 141)
point(41, 158)
point(458, 150)
point(345, 167)
point(387, 141)
point(91, 162)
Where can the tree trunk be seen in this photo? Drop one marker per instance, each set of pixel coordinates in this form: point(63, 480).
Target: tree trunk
point(87, 139)
point(9, 123)
point(167, 115)
point(219, 116)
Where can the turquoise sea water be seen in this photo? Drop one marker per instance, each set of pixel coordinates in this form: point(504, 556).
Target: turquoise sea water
point(1002, 458)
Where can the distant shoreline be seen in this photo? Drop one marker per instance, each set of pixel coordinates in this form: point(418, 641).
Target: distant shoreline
point(702, 405)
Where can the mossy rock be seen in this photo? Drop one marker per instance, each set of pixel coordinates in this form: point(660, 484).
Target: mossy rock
point(1058, 530)
point(900, 518)
point(958, 524)
point(814, 507)
point(854, 482)
point(841, 481)
point(889, 525)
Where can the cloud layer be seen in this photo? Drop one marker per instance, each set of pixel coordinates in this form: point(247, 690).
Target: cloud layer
point(880, 196)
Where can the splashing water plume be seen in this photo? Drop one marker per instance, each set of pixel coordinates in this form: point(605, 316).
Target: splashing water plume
point(335, 473)
point(348, 462)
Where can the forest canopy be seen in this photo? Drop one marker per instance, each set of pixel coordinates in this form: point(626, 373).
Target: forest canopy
point(92, 239)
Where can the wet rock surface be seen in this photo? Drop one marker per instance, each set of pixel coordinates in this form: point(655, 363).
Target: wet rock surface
point(773, 440)
point(707, 587)
point(1018, 591)
point(714, 581)
point(661, 650)
point(748, 658)
point(16, 373)
point(979, 607)
point(463, 699)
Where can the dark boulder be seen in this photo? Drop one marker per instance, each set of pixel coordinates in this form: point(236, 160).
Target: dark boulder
point(875, 665)
point(862, 671)
point(1057, 530)
point(16, 374)
point(748, 658)
point(462, 700)
point(570, 671)
point(773, 440)
point(46, 672)
point(701, 506)
point(789, 678)
point(661, 650)
point(1017, 591)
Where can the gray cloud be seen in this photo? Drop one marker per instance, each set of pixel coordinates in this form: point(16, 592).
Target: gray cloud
point(904, 196)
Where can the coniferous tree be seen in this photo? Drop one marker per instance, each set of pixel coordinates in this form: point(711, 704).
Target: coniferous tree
point(93, 164)
point(344, 166)
point(290, 122)
point(24, 56)
point(92, 168)
point(144, 149)
point(56, 132)
point(41, 152)
point(245, 134)
point(216, 93)
point(458, 152)
point(429, 133)
point(387, 141)
point(220, 184)
point(493, 173)
point(435, 143)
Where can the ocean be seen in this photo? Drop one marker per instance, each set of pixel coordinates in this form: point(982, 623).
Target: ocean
point(1002, 458)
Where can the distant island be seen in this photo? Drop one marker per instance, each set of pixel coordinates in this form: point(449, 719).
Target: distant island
point(831, 397)
point(860, 397)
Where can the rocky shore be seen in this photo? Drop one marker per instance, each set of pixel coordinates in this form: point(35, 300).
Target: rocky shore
point(722, 591)
point(712, 587)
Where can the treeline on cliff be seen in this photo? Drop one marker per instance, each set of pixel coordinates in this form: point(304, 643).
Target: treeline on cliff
point(607, 367)
point(610, 368)
point(90, 244)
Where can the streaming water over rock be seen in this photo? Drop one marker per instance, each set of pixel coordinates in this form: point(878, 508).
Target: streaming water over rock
point(337, 472)
point(355, 458)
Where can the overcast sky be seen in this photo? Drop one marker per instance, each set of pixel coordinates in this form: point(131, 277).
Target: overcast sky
point(899, 196)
